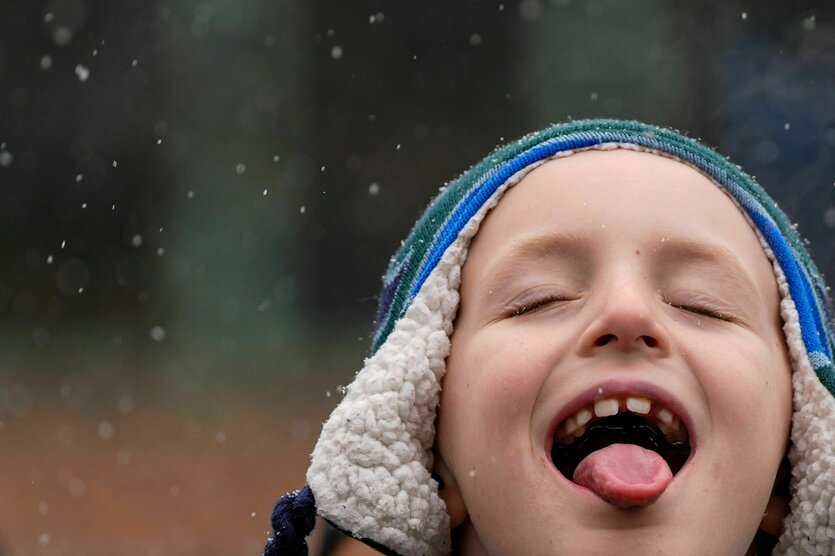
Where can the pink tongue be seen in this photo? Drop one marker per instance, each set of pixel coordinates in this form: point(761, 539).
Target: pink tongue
point(624, 475)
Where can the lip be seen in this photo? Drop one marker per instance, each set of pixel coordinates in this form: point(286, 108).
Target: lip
point(618, 388)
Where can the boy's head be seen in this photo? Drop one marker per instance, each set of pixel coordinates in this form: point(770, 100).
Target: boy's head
point(636, 318)
point(601, 281)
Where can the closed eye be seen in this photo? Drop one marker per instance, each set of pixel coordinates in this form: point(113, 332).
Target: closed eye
point(701, 311)
point(532, 305)
point(704, 310)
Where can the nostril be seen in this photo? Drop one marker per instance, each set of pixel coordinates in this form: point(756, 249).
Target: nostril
point(605, 339)
point(650, 341)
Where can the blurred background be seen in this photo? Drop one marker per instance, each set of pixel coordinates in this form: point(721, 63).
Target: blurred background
point(198, 199)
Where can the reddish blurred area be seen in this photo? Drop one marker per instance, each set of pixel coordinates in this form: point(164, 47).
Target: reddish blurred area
point(165, 477)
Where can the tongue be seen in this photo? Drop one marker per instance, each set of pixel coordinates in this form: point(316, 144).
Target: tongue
point(624, 475)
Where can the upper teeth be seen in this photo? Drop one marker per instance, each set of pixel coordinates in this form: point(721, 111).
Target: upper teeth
point(575, 426)
point(605, 408)
point(639, 405)
point(583, 416)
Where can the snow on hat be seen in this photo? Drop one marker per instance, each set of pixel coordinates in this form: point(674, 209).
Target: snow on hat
point(370, 472)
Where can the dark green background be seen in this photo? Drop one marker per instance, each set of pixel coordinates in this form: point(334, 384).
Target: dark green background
point(194, 100)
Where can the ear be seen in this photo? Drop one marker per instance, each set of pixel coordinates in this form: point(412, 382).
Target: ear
point(449, 492)
point(778, 505)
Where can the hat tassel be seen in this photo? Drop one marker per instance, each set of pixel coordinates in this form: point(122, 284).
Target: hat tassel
point(293, 519)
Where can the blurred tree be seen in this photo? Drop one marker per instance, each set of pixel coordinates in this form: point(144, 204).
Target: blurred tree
point(404, 94)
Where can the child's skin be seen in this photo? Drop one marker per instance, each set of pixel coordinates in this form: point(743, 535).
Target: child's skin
point(625, 253)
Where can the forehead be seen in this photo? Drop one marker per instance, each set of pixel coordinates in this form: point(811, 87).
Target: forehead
point(619, 199)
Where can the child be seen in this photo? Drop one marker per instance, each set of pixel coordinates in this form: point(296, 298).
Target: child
point(641, 355)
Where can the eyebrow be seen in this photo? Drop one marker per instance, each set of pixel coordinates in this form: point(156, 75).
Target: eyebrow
point(682, 249)
point(566, 245)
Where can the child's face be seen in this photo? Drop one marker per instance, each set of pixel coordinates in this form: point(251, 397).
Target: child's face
point(591, 280)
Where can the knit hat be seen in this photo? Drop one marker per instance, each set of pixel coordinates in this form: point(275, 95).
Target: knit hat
point(370, 472)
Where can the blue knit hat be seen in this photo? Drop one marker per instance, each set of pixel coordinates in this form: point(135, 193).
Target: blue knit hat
point(370, 472)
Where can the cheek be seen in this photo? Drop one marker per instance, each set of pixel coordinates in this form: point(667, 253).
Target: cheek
point(491, 387)
point(748, 385)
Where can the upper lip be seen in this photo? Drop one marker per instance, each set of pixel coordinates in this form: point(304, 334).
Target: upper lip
point(617, 388)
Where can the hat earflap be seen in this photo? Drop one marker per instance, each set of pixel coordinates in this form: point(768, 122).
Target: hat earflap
point(810, 526)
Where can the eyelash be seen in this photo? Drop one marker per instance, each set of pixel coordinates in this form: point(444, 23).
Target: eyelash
point(536, 304)
point(532, 305)
point(704, 309)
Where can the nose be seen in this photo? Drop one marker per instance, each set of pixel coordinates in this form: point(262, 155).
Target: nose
point(626, 322)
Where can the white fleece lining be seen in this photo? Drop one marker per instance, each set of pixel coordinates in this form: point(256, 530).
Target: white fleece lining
point(810, 525)
point(370, 469)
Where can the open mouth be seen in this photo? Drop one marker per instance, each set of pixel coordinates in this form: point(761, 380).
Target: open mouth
point(626, 450)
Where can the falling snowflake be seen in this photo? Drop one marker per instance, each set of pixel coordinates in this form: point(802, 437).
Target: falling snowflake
point(125, 404)
point(62, 36)
point(157, 333)
point(829, 217)
point(105, 430)
point(82, 73)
